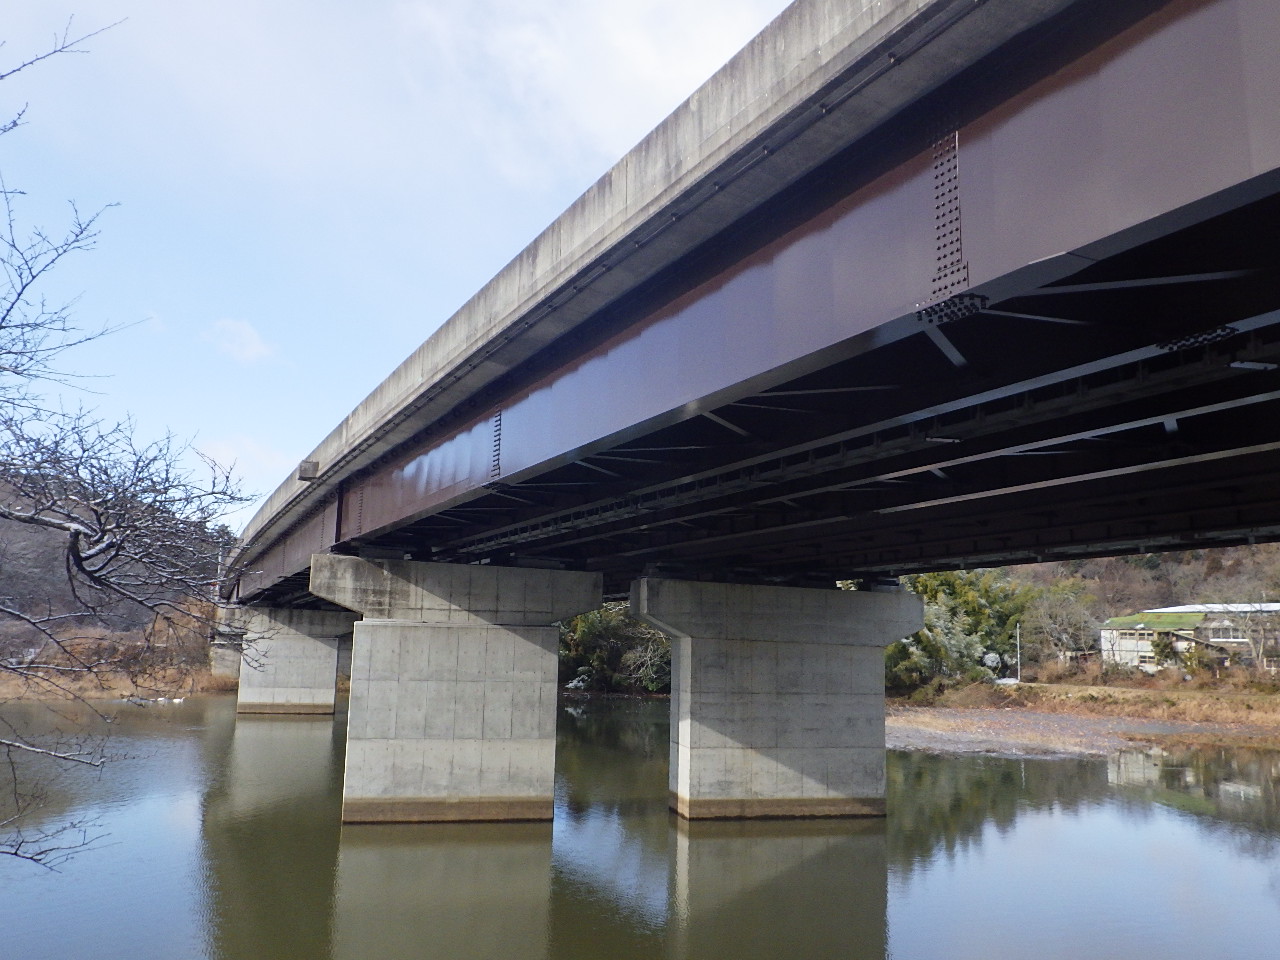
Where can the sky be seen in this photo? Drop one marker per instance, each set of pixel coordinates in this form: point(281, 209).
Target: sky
point(297, 193)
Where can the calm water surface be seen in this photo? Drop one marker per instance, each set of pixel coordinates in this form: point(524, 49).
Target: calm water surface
point(220, 839)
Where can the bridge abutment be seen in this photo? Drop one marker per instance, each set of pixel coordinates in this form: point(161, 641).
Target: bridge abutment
point(453, 686)
point(293, 658)
point(777, 695)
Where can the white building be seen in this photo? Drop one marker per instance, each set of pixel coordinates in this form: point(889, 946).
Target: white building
point(1227, 631)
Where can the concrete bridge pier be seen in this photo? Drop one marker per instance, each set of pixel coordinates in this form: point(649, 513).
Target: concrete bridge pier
point(293, 659)
point(453, 686)
point(777, 695)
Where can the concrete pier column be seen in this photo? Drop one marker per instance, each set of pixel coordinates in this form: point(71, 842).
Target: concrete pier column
point(453, 686)
point(777, 695)
point(292, 659)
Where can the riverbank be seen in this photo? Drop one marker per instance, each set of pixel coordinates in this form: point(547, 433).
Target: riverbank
point(1227, 713)
point(111, 685)
point(1214, 705)
point(1012, 732)
point(1068, 720)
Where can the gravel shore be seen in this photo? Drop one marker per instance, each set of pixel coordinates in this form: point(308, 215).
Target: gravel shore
point(1028, 733)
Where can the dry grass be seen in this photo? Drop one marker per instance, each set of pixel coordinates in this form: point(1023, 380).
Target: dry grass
point(170, 659)
point(113, 685)
point(1228, 680)
point(207, 683)
point(45, 685)
point(1228, 705)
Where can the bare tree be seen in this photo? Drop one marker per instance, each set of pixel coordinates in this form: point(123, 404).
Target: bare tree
point(133, 524)
point(36, 821)
point(137, 532)
point(32, 331)
point(1061, 619)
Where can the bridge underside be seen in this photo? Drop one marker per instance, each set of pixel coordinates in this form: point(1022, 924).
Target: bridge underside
point(972, 394)
point(1131, 405)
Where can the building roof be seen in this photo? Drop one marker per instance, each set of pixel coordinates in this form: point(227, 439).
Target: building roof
point(1185, 617)
point(1219, 608)
point(1158, 620)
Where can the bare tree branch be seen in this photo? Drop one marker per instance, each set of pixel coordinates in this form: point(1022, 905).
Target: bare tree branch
point(62, 43)
point(76, 757)
point(132, 527)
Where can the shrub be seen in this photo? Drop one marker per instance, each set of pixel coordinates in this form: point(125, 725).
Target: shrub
point(607, 651)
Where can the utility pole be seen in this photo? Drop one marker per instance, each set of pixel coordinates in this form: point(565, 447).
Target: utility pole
point(1017, 639)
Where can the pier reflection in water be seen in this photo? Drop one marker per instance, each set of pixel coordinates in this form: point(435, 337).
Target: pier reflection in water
point(443, 890)
point(744, 889)
point(225, 843)
point(615, 875)
point(270, 838)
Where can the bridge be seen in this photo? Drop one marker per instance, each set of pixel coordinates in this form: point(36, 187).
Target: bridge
point(908, 285)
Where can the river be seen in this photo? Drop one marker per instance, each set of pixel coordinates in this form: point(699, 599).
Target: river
point(218, 838)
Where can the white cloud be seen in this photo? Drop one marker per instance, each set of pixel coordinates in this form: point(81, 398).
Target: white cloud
point(578, 82)
point(305, 92)
point(238, 340)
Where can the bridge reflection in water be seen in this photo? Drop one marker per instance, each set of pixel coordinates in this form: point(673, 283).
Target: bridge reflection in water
point(270, 837)
point(974, 850)
point(223, 844)
point(615, 874)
